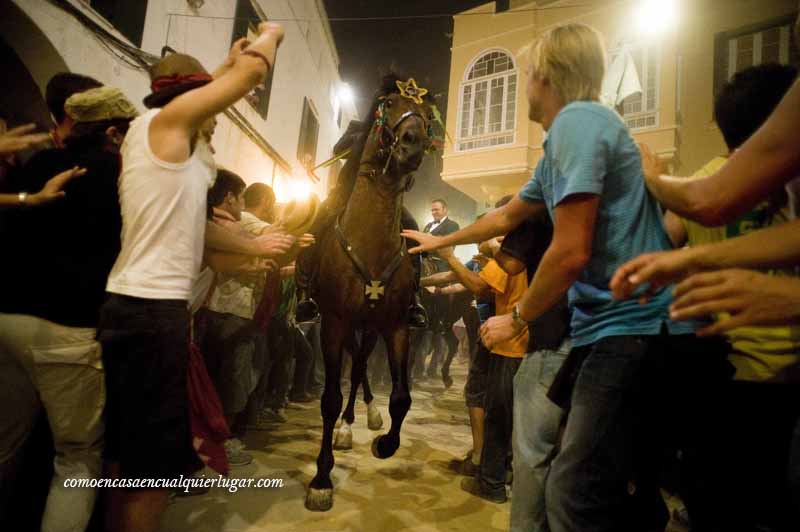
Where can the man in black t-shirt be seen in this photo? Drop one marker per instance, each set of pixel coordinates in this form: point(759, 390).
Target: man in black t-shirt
point(536, 418)
point(55, 286)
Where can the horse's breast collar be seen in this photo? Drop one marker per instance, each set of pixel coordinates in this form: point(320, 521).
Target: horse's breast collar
point(374, 289)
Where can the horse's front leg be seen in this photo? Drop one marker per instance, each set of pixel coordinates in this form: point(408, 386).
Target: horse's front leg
point(344, 436)
point(400, 400)
point(320, 492)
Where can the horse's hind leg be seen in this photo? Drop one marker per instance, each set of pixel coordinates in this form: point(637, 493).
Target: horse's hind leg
point(400, 400)
point(320, 492)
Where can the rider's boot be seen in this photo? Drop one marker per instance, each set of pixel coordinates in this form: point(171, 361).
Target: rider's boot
point(307, 309)
point(417, 317)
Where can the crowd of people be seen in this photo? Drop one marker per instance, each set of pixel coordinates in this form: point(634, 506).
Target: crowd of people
point(630, 323)
point(626, 374)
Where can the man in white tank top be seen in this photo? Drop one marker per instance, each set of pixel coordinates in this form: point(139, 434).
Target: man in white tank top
point(144, 325)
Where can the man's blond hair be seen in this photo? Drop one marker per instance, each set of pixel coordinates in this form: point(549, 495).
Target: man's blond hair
point(573, 59)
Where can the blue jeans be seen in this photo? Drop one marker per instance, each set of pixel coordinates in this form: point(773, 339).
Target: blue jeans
point(536, 424)
point(587, 488)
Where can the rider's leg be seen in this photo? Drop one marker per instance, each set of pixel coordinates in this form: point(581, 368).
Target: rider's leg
point(417, 317)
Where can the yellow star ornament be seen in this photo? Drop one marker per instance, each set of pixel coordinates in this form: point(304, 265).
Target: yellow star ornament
point(410, 90)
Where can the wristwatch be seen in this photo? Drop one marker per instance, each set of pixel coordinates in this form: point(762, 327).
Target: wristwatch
point(517, 318)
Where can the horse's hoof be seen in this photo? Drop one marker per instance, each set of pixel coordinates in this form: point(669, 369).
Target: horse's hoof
point(344, 438)
point(319, 500)
point(374, 419)
point(383, 447)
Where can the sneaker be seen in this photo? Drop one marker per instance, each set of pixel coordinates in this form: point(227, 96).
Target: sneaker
point(473, 486)
point(234, 450)
point(273, 415)
point(300, 398)
point(465, 466)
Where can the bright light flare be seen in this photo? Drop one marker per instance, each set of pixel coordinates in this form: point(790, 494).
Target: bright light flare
point(298, 190)
point(346, 93)
point(655, 17)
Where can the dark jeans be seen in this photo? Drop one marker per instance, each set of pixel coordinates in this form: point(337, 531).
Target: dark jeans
point(498, 422)
point(625, 390)
point(475, 388)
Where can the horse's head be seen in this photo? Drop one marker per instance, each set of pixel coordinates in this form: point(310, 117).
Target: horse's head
point(401, 131)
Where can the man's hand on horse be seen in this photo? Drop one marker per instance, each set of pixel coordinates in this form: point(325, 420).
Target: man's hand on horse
point(498, 329)
point(305, 240)
point(427, 241)
point(274, 245)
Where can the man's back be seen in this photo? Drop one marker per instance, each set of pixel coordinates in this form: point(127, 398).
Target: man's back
point(588, 150)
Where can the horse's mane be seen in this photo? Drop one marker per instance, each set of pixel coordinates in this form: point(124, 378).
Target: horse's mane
point(388, 85)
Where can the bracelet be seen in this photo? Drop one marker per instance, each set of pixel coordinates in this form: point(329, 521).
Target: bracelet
point(23, 198)
point(259, 55)
point(516, 316)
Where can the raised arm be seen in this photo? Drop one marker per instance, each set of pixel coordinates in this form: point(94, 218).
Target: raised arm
point(173, 128)
point(471, 280)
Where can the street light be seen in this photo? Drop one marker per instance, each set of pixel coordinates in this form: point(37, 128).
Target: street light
point(346, 93)
point(654, 17)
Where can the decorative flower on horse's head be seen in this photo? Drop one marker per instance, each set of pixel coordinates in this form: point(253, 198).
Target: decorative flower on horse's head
point(410, 90)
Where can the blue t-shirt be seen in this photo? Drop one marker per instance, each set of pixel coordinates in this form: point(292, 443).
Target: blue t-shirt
point(588, 150)
point(485, 305)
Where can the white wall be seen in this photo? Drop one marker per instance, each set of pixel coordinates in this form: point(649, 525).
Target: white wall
point(306, 66)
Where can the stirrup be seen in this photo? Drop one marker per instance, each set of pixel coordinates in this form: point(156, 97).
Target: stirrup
point(307, 311)
point(417, 316)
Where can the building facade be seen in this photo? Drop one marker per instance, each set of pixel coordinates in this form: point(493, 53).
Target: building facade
point(495, 147)
point(274, 135)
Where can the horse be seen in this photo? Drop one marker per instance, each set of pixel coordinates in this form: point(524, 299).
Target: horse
point(366, 280)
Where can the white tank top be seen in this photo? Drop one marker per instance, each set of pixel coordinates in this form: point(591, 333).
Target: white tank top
point(163, 218)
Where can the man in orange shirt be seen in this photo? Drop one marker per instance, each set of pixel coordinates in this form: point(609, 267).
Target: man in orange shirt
point(503, 362)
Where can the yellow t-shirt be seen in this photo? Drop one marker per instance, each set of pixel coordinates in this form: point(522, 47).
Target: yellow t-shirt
point(759, 353)
point(508, 290)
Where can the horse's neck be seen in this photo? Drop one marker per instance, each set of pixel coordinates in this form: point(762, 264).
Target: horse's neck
point(372, 217)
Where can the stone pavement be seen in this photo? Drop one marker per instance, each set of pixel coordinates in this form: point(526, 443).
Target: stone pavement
point(414, 490)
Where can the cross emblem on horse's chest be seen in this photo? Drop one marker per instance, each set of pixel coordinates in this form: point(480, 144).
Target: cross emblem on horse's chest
point(374, 290)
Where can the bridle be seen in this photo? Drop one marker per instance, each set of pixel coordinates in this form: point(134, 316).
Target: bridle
point(388, 139)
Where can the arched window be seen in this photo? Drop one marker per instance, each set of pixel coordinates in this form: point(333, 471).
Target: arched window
point(488, 106)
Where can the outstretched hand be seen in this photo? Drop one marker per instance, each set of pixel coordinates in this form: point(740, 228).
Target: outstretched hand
point(656, 270)
point(750, 298)
point(274, 245)
point(20, 138)
point(54, 189)
point(427, 241)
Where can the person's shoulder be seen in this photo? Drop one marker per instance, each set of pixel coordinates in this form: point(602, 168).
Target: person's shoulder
point(586, 115)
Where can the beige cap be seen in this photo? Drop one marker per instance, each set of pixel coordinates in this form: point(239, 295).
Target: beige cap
point(297, 216)
point(102, 103)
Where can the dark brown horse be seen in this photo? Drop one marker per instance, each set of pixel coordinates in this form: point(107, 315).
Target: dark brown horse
point(365, 279)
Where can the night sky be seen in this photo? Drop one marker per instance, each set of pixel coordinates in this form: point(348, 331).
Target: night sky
point(419, 48)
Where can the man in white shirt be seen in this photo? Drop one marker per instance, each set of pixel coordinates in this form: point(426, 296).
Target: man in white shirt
point(167, 168)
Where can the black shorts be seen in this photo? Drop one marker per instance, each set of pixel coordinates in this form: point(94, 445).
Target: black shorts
point(145, 354)
point(477, 378)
